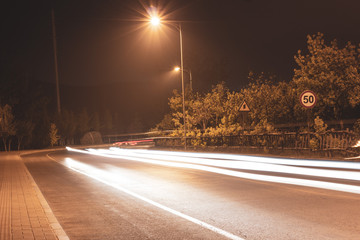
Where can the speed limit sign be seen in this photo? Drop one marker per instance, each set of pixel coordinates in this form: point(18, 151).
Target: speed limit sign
point(308, 99)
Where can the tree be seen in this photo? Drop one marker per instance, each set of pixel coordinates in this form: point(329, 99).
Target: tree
point(67, 124)
point(7, 125)
point(332, 73)
point(217, 98)
point(83, 123)
point(175, 104)
point(319, 129)
point(136, 125)
point(165, 124)
point(108, 121)
point(202, 110)
point(270, 101)
point(356, 127)
point(53, 134)
point(214, 113)
point(231, 121)
point(24, 129)
point(95, 122)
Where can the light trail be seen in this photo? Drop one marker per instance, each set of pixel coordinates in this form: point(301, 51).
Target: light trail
point(259, 177)
point(268, 160)
point(244, 165)
point(108, 179)
point(273, 160)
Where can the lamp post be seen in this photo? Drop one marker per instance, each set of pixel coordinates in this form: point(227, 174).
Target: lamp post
point(155, 21)
point(55, 62)
point(177, 69)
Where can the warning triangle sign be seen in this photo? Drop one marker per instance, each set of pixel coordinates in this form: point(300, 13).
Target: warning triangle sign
point(244, 107)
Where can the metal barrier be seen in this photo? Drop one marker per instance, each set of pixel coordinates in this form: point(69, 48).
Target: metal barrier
point(330, 140)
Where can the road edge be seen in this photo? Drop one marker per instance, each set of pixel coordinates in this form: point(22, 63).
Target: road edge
point(53, 222)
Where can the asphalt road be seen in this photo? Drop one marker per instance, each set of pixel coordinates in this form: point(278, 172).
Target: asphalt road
point(122, 197)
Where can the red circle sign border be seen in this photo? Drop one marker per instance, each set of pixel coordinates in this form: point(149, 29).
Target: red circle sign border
point(308, 91)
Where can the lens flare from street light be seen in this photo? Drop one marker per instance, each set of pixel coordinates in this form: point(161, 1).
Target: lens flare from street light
point(155, 21)
point(176, 69)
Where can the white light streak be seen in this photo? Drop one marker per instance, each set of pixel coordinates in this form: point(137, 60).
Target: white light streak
point(244, 165)
point(129, 155)
point(102, 176)
point(273, 160)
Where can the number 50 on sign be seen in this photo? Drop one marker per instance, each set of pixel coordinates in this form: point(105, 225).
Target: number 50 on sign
point(308, 99)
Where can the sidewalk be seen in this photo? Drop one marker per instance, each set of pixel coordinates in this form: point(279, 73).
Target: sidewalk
point(24, 212)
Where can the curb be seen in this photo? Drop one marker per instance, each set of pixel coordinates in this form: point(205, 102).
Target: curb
point(53, 222)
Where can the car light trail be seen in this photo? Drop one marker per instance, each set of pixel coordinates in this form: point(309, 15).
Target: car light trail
point(244, 165)
point(269, 160)
point(273, 160)
point(104, 177)
point(259, 177)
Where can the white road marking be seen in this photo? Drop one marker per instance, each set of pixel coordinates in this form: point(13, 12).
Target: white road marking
point(53, 222)
point(76, 166)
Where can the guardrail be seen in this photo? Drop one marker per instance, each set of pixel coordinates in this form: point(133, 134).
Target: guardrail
point(327, 141)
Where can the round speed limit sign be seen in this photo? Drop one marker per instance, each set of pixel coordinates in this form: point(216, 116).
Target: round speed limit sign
point(308, 99)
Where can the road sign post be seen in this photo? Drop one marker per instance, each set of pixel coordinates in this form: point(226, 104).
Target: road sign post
point(244, 109)
point(308, 100)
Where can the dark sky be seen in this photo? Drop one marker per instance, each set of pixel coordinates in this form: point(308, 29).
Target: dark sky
point(102, 41)
point(98, 40)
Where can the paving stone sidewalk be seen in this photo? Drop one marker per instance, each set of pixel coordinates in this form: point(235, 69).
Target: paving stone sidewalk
point(24, 212)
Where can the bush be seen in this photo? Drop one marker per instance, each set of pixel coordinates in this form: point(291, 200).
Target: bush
point(357, 127)
point(319, 129)
point(263, 127)
point(314, 143)
point(91, 138)
point(53, 135)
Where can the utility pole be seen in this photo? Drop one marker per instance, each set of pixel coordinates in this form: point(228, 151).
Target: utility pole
point(182, 82)
point(55, 61)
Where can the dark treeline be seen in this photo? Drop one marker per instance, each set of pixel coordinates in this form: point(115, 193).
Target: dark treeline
point(29, 118)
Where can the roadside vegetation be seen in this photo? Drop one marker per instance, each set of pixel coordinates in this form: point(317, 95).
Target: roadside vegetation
point(330, 71)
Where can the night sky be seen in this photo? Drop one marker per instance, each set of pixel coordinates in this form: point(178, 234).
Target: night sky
point(104, 44)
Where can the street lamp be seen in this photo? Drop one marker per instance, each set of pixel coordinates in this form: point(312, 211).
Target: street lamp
point(55, 61)
point(177, 69)
point(155, 21)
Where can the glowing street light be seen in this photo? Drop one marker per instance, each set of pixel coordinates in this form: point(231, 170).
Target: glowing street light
point(155, 21)
point(178, 69)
